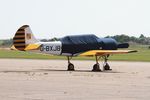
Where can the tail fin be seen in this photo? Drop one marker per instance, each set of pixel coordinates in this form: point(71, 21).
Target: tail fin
point(23, 38)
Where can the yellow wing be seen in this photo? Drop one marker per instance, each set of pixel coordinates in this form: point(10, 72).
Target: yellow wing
point(105, 52)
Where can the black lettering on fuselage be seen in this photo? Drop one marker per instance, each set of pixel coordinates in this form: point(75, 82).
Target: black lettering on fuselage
point(50, 48)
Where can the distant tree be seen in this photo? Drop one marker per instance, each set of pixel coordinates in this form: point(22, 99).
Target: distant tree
point(124, 38)
point(47, 40)
point(142, 36)
point(44, 40)
point(53, 39)
point(108, 36)
point(133, 39)
point(6, 43)
point(121, 38)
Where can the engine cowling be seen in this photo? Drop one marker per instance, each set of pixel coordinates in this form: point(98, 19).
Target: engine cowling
point(108, 43)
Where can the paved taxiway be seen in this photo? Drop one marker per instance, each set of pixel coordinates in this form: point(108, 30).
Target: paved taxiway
point(22, 79)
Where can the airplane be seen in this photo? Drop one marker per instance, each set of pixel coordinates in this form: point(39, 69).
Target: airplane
point(71, 46)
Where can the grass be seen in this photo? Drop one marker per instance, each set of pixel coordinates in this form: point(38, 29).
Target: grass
point(143, 54)
point(25, 55)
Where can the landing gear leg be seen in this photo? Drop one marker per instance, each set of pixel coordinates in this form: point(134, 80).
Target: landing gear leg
point(106, 65)
point(96, 66)
point(70, 65)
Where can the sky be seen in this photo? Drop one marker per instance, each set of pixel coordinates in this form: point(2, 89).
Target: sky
point(58, 18)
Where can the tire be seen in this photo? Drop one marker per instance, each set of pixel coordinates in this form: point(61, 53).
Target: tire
point(70, 67)
point(107, 67)
point(96, 68)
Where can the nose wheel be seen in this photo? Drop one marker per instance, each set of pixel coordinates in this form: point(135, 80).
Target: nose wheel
point(70, 65)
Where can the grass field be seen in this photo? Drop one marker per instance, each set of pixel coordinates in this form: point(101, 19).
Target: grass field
point(143, 54)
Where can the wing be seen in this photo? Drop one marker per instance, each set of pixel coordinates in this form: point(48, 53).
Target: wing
point(105, 52)
point(32, 47)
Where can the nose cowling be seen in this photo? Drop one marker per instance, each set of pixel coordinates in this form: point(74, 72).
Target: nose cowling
point(108, 43)
point(123, 45)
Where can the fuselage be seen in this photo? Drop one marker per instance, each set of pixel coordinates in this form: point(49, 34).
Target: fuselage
point(74, 45)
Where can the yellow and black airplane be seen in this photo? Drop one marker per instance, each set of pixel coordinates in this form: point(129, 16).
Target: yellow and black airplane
point(70, 46)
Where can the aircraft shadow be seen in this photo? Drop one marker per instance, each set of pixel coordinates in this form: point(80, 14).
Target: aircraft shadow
point(55, 70)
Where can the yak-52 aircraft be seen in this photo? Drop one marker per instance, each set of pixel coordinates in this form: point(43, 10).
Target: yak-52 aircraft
point(70, 46)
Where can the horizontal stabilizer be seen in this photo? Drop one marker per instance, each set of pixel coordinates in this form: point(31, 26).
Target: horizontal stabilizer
point(13, 47)
point(28, 47)
point(32, 47)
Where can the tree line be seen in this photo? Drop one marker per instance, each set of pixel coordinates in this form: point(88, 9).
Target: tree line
point(125, 38)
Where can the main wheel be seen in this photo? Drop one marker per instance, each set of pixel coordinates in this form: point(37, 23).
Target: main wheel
point(107, 67)
point(70, 67)
point(96, 68)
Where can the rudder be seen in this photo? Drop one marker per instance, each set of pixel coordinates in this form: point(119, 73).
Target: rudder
point(23, 38)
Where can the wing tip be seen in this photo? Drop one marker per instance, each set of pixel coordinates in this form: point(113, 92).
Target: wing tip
point(132, 51)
